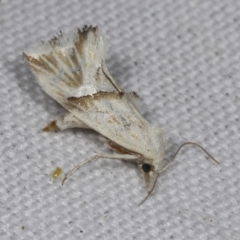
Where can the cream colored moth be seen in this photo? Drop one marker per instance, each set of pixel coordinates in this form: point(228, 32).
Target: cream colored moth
point(72, 70)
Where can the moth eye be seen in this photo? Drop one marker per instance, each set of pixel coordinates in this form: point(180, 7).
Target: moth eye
point(146, 167)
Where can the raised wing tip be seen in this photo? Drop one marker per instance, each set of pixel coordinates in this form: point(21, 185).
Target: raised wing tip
point(87, 29)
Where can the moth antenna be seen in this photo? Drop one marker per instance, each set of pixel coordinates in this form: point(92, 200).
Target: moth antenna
point(133, 158)
point(190, 143)
point(150, 192)
point(78, 166)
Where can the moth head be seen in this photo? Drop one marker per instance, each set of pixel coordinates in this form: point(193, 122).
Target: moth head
point(151, 170)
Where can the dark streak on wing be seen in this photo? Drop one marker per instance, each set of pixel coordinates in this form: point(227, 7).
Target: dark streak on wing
point(77, 78)
point(88, 101)
point(40, 63)
point(64, 59)
point(117, 148)
point(72, 81)
point(82, 37)
point(51, 59)
point(98, 96)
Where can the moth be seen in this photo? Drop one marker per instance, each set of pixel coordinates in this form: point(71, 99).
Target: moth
point(72, 70)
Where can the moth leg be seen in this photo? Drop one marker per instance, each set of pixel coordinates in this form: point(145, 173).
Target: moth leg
point(64, 121)
point(127, 157)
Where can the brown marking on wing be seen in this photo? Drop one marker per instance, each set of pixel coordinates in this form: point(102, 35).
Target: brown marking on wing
point(73, 81)
point(37, 70)
point(63, 59)
point(82, 37)
point(84, 102)
point(50, 58)
point(73, 57)
point(69, 79)
point(40, 63)
point(78, 78)
point(117, 148)
point(79, 45)
point(60, 94)
point(88, 101)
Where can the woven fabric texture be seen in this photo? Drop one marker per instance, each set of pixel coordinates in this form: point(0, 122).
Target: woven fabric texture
point(183, 59)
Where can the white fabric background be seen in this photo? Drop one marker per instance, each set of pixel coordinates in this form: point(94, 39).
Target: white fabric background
point(183, 58)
